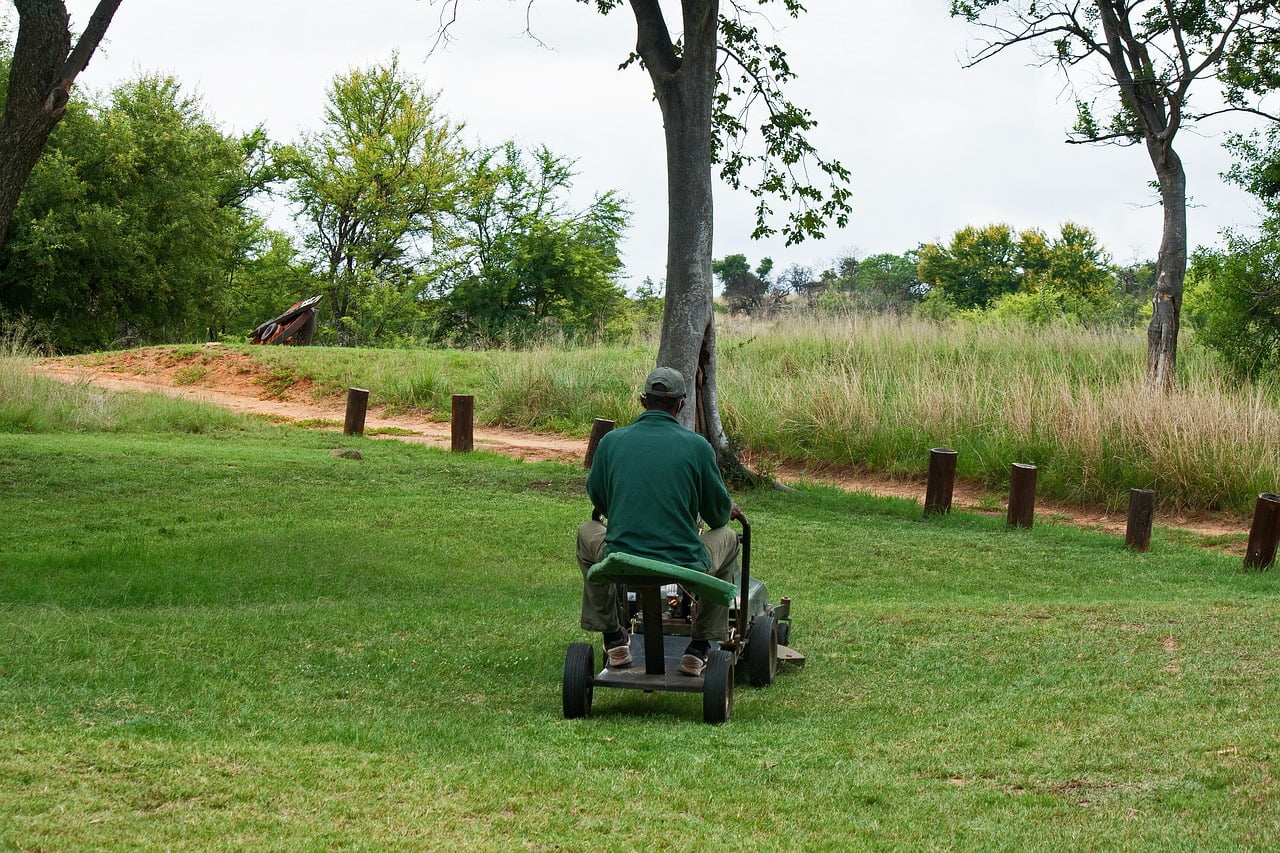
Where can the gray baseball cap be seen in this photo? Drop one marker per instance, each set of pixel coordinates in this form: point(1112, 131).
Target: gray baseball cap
point(665, 382)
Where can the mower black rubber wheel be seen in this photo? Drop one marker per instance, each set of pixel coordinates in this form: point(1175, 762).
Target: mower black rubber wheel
point(579, 680)
point(784, 633)
point(762, 651)
point(717, 687)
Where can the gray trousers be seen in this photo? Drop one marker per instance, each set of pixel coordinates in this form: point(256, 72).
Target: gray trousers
point(604, 610)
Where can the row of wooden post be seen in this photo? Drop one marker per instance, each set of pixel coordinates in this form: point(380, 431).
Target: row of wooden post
point(461, 424)
point(1263, 535)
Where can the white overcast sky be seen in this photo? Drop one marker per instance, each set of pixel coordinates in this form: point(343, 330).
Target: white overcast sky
point(932, 147)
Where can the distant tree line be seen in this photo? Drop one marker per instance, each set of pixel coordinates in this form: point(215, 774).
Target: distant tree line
point(1026, 275)
point(882, 283)
point(142, 223)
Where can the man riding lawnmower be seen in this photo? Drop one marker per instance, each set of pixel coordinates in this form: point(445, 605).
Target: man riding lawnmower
point(652, 481)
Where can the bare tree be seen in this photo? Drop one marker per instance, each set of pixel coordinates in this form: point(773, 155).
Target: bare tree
point(801, 281)
point(1153, 53)
point(42, 71)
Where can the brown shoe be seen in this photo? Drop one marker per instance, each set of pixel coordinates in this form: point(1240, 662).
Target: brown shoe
point(691, 664)
point(619, 655)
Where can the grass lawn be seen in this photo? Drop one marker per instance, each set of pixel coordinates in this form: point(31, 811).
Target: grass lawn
point(242, 641)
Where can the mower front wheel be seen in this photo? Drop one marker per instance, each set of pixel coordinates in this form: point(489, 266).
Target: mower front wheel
point(579, 680)
point(762, 651)
point(717, 687)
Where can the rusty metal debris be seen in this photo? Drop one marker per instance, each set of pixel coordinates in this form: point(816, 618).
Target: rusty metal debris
point(294, 327)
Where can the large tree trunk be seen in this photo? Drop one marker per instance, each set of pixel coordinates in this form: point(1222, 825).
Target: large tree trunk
point(1159, 113)
point(685, 86)
point(44, 67)
point(1171, 268)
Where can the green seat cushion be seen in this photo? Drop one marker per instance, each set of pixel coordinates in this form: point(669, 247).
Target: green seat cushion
point(619, 568)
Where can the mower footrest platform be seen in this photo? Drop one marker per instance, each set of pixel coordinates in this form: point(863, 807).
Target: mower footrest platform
point(635, 677)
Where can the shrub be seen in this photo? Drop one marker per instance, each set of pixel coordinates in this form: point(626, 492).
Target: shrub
point(1235, 302)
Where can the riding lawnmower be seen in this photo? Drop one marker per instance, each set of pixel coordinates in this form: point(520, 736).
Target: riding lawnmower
point(661, 599)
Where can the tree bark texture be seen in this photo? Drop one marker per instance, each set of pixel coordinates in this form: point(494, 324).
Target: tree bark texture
point(1171, 268)
point(1158, 110)
point(40, 78)
point(685, 86)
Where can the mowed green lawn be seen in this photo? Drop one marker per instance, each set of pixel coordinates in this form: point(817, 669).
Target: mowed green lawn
point(222, 641)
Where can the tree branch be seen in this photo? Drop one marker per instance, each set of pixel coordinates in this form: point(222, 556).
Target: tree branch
point(1247, 110)
point(1119, 138)
point(1032, 30)
point(1183, 56)
point(448, 17)
point(88, 43)
point(653, 39)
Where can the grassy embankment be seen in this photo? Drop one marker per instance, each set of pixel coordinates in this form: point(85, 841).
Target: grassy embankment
point(214, 634)
point(878, 394)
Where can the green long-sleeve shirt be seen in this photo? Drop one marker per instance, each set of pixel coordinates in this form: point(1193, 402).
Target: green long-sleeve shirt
point(652, 480)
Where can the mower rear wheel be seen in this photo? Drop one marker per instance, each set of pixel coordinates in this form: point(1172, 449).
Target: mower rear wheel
point(717, 687)
point(579, 680)
point(762, 651)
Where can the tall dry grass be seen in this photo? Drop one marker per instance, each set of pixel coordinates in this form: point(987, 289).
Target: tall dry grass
point(879, 392)
point(30, 403)
point(871, 392)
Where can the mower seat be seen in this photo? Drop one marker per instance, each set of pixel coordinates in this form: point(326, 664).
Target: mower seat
point(628, 568)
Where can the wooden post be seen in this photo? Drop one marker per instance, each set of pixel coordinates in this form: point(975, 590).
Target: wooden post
point(1022, 495)
point(357, 405)
point(1261, 552)
point(1142, 509)
point(599, 427)
point(942, 479)
point(462, 423)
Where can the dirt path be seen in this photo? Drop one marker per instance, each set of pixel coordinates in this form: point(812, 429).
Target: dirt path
point(234, 380)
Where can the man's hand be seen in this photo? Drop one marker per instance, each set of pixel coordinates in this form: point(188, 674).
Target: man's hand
point(736, 512)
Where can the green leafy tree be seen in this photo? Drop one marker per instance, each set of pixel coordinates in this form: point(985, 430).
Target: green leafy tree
point(1235, 296)
point(1152, 52)
point(1257, 166)
point(264, 271)
point(979, 265)
point(130, 222)
point(1073, 264)
point(647, 305)
point(1068, 278)
point(521, 258)
point(743, 289)
point(374, 188)
point(1236, 301)
point(884, 283)
point(1038, 277)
